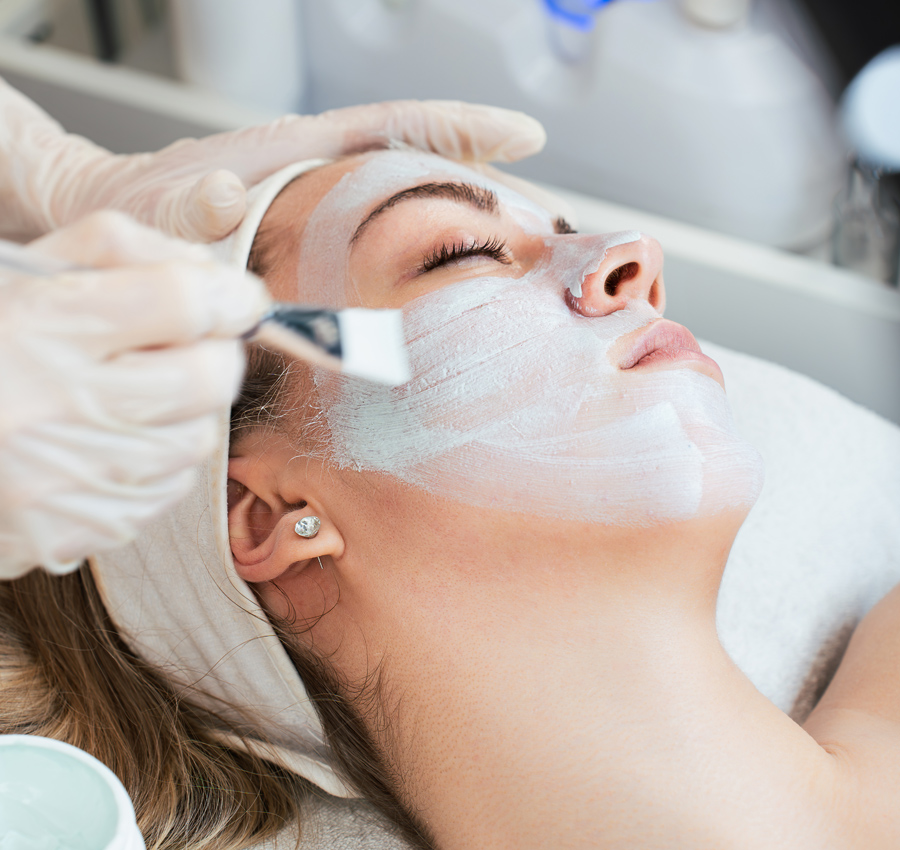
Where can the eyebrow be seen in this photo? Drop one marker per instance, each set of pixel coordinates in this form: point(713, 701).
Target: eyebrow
point(476, 197)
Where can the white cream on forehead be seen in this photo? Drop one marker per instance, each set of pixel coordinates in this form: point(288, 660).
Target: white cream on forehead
point(338, 214)
point(514, 402)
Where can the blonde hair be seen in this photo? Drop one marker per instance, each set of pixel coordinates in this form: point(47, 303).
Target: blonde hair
point(65, 673)
point(279, 397)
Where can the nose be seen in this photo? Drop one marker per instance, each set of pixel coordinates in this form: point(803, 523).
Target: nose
point(626, 272)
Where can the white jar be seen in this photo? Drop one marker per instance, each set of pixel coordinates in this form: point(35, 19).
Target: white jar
point(54, 795)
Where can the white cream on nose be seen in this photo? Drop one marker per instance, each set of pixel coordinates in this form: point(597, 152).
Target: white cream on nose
point(571, 251)
point(514, 403)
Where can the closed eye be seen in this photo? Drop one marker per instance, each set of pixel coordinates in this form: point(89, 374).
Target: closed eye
point(494, 248)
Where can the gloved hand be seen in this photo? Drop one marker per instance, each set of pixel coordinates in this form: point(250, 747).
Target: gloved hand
point(195, 188)
point(111, 380)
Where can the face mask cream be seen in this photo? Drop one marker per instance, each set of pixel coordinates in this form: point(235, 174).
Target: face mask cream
point(514, 401)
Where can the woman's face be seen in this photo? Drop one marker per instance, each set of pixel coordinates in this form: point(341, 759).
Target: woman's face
point(545, 381)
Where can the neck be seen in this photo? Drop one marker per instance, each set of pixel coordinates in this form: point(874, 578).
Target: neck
point(575, 712)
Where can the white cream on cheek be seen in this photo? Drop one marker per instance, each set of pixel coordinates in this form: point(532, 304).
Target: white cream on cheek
point(516, 405)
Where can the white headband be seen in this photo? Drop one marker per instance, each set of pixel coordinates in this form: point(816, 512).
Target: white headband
point(177, 600)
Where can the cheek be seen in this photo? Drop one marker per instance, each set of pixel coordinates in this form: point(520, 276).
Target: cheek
point(515, 405)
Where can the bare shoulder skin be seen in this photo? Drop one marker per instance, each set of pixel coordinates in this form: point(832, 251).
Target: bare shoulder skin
point(857, 722)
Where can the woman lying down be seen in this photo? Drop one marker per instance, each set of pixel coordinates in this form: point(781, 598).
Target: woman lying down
point(503, 631)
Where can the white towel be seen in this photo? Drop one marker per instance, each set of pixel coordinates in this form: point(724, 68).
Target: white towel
point(820, 547)
point(329, 823)
point(822, 544)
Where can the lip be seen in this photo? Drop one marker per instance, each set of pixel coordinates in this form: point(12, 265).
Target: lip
point(667, 345)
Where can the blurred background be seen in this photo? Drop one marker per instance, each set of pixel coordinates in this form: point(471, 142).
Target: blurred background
point(718, 113)
point(759, 140)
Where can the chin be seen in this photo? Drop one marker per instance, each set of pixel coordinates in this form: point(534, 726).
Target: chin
point(733, 481)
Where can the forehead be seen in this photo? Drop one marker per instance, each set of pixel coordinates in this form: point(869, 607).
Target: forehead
point(312, 223)
point(294, 205)
point(384, 172)
point(281, 231)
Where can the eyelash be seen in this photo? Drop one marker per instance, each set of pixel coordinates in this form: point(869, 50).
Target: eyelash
point(494, 248)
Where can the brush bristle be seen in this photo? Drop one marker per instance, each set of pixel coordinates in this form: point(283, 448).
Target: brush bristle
point(373, 345)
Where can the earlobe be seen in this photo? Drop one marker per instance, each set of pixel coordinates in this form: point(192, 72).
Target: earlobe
point(261, 526)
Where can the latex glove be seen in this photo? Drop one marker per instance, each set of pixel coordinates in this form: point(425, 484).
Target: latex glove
point(196, 188)
point(111, 382)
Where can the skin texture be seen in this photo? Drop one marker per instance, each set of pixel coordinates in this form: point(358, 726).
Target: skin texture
point(547, 684)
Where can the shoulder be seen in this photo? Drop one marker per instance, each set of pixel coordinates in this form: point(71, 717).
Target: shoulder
point(857, 722)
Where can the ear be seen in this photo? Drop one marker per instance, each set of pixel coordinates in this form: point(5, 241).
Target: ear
point(261, 522)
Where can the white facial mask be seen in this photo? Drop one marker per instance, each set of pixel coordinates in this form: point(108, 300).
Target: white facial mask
point(572, 252)
point(515, 403)
point(335, 219)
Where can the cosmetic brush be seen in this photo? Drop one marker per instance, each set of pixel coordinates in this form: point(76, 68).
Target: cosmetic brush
point(365, 343)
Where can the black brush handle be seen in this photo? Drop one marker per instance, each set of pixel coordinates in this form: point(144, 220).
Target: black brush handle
point(318, 325)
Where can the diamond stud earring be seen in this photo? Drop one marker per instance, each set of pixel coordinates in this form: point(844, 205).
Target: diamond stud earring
point(308, 526)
